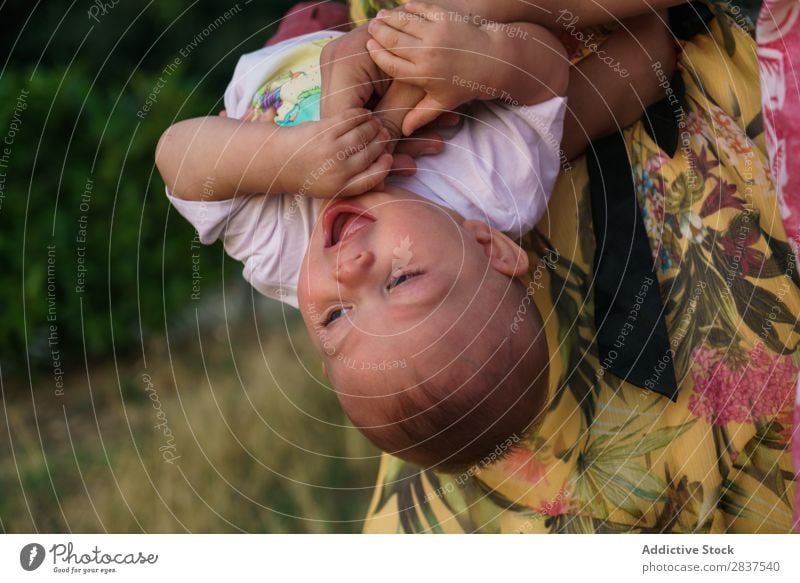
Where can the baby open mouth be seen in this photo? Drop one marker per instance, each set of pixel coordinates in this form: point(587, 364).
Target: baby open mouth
point(342, 221)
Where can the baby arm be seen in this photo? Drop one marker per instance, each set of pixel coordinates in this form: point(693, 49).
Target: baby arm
point(343, 155)
point(455, 61)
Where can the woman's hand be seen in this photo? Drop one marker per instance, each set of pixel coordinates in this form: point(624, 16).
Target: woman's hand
point(350, 78)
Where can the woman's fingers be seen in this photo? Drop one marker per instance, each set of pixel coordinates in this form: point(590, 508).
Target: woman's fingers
point(425, 112)
point(403, 165)
point(448, 119)
point(394, 66)
point(421, 144)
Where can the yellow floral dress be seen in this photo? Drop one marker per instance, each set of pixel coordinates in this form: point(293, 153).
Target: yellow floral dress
point(612, 457)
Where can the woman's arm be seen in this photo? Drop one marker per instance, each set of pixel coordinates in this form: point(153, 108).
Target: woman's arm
point(601, 100)
point(343, 155)
point(556, 14)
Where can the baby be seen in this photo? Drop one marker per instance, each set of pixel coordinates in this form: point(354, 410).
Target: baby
point(407, 282)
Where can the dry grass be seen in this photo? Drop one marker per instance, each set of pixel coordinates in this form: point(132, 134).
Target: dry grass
point(263, 446)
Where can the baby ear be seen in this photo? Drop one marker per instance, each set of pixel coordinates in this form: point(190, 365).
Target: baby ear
point(505, 255)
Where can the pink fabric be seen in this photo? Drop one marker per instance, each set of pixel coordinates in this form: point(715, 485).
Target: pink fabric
point(307, 17)
point(778, 35)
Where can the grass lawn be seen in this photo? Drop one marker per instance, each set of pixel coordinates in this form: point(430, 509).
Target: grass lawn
point(223, 431)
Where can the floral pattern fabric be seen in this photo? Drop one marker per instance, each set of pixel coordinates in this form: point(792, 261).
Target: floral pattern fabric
point(609, 456)
point(778, 34)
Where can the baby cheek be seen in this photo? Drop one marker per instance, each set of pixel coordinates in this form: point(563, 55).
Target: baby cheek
point(307, 299)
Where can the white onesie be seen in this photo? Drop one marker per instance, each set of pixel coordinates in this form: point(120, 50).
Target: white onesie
point(499, 167)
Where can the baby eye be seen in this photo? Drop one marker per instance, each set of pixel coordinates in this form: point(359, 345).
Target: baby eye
point(400, 280)
point(334, 315)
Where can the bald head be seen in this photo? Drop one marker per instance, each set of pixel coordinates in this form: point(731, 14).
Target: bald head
point(453, 390)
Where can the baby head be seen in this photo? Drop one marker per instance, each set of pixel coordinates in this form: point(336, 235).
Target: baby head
point(415, 312)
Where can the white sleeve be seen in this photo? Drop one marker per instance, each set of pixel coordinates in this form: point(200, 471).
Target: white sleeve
point(500, 167)
point(268, 234)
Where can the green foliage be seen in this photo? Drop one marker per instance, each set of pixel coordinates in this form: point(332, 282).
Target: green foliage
point(85, 222)
point(84, 103)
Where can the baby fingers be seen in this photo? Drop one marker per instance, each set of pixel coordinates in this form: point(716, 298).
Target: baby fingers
point(401, 20)
point(360, 138)
point(423, 13)
point(349, 119)
point(360, 155)
point(391, 64)
point(397, 41)
point(369, 179)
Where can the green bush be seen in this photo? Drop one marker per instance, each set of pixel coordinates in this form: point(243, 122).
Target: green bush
point(84, 103)
point(85, 221)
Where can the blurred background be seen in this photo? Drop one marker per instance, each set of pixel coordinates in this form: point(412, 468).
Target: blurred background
point(145, 386)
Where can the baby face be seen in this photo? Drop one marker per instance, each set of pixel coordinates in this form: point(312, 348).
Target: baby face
point(388, 274)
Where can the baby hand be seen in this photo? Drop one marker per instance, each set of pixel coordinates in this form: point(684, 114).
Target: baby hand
point(433, 49)
point(343, 155)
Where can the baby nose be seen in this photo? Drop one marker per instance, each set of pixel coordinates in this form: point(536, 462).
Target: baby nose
point(352, 270)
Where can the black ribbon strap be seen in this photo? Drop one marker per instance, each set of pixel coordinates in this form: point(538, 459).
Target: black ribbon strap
point(632, 339)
